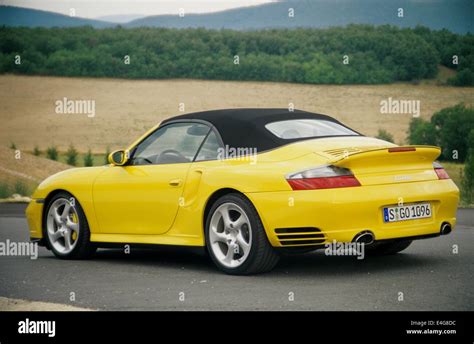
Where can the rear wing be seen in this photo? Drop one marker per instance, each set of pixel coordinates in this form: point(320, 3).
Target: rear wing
point(390, 159)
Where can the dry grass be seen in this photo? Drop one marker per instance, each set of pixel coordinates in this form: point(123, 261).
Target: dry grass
point(17, 305)
point(21, 176)
point(127, 108)
point(28, 166)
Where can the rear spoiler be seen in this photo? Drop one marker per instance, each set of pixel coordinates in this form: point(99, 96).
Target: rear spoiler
point(391, 158)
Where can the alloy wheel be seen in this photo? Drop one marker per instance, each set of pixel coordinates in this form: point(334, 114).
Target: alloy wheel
point(230, 235)
point(63, 225)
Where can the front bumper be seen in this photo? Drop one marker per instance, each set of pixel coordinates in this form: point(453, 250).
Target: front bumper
point(340, 214)
point(34, 215)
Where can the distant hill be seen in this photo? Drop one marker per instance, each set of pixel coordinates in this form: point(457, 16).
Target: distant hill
point(19, 16)
point(454, 15)
point(121, 18)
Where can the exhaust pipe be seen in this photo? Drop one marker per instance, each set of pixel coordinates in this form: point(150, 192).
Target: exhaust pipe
point(445, 228)
point(365, 237)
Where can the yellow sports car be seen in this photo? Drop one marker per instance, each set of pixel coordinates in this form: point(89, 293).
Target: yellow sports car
point(248, 184)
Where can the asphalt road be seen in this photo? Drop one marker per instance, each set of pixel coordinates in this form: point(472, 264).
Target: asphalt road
point(427, 276)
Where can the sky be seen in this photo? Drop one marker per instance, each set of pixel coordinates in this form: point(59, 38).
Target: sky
point(100, 8)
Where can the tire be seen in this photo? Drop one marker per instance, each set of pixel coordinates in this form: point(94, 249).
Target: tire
point(253, 253)
point(388, 248)
point(56, 234)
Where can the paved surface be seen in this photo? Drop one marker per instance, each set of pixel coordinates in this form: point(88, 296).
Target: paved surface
point(12, 209)
point(428, 276)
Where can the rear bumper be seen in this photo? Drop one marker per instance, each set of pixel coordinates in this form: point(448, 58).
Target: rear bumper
point(340, 214)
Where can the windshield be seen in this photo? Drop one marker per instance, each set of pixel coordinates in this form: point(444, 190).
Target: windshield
point(305, 128)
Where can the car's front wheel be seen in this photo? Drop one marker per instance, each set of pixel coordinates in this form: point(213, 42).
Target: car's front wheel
point(236, 239)
point(66, 228)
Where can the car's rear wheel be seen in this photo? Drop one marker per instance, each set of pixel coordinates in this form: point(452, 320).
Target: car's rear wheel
point(387, 248)
point(236, 239)
point(66, 228)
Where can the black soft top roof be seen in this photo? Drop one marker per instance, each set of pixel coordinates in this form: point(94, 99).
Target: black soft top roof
point(245, 128)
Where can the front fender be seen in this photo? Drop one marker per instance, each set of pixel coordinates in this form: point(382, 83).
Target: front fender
point(78, 182)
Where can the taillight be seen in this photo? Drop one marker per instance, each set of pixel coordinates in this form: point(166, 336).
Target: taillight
point(324, 177)
point(440, 171)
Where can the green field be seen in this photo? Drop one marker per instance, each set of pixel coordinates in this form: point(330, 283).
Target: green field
point(456, 171)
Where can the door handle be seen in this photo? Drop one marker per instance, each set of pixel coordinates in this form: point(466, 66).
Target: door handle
point(175, 182)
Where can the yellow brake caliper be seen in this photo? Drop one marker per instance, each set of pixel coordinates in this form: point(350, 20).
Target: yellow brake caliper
point(75, 220)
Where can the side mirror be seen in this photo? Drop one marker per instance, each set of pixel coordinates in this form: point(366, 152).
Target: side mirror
point(118, 158)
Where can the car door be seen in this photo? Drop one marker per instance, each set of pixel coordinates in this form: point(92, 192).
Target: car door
point(143, 196)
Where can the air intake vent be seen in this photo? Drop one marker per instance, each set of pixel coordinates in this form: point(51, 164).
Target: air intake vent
point(341, 152)
point(300, 236)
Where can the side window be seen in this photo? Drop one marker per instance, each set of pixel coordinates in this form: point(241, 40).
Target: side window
point(210, 148)
point(171, 144)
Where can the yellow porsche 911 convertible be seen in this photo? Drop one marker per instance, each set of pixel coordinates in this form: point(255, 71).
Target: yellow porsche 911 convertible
point(247, 185)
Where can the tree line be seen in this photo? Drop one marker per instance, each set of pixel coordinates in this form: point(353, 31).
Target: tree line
point(356, 54)
point(452, 129)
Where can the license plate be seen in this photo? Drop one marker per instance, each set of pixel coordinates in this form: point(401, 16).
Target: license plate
point(407, 212)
